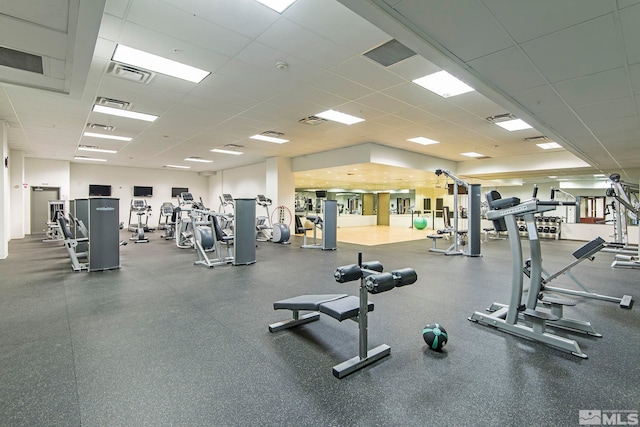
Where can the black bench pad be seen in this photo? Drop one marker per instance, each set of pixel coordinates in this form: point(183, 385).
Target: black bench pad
point(305, 302)
point(343, 308)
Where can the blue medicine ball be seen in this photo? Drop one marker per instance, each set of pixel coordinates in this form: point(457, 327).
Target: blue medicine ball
point(435, 336)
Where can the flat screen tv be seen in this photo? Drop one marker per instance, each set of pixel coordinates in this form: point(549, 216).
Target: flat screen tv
point(140, 191)
point(99, 190)
point(321, 194)
point(175, 191)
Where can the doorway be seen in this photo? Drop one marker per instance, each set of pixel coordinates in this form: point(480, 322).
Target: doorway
point(40, 197)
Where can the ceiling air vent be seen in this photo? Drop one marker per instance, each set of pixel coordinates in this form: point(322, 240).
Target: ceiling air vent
point(390, 53)
point(234, 146)
point(541, 138)
point(130, 73)
point(113, 103)
point(101, 127)
point(273, 134)
point(20, 60)
point(312, 120)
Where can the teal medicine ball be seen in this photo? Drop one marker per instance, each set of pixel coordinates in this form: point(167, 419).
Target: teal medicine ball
point(420, 222)
point(435, 336)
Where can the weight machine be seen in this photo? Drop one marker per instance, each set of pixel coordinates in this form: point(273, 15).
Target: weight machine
point(626, 255)
point(473, 214)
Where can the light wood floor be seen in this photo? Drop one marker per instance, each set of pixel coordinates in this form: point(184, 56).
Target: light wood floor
point(375, 235)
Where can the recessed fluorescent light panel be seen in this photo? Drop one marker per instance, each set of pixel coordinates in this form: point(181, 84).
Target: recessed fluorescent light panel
point(339, 117)
point(139, 58)
point(124, 113)
point(269, 139)
point(599, 175)
point(443, 84)
point(549, 145)
point(177, 166)
point(92, 159)
point(102, 135)
point(515, 124)
point(423, 141)
point(472, 154)
point(277, 5)
point(235, 153)
point(96, 149)
point(198, 159)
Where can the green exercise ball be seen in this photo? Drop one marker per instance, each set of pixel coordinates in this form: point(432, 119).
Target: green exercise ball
point(420, 222)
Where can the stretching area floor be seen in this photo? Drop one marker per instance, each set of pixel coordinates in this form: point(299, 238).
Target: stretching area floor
point(163, 342)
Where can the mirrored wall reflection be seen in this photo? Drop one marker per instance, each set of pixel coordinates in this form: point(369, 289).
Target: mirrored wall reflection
point(401, 202)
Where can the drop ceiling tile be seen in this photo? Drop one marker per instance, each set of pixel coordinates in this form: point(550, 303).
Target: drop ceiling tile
point(610, 84)
point(629, 19)
point(259, 84)
point(316, 96)
point(412, 94)
point(626, 3)
point(383, 102)
point(616, 108)
point(335, 22)
point(265, 57)
point(467, 29)
point(419, 116)
point(116, 8)
point(414, 67)
point(246, 17)
point(443, 109)
point(634, 72)
point(539, 99)
point(294, 40)
point(368, 73)
point(161, 44)
point(528, 20)
point(183, 26)
point(110, 27)
point(508, 70)
point(475, 103)
point(581, 50)
point(339, 86)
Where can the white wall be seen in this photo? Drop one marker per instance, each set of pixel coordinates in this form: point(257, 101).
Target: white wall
point(244, 182)
point(123, 179)
point(45, 173)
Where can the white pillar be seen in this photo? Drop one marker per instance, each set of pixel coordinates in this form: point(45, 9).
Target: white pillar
point(280, 185)
point(19, 194)
point(4, 191)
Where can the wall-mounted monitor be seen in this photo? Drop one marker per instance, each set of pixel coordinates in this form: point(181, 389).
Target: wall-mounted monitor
point(99, 190)
point(140, 191)
point(175, 191)
point(321, 194)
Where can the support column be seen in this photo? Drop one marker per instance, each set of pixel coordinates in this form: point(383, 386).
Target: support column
point(280, 183)
point(18, 196)
point(5, 197)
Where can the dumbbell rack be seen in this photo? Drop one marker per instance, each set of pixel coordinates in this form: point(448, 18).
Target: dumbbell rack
point(548, 227)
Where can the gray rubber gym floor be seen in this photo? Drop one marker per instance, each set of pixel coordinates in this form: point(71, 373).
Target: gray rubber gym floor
point(163, 342)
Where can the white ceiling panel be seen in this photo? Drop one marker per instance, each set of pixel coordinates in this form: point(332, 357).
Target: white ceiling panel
point(368, 73)
point(508, 69)
point(413, 68)
point(466, 28)
point(610, 109)
point(412, 94)
point(266, 58)
point(339, 86)
point(246, 17)
point(526, 20)
point(629, 19)
point(306, 45)
point(539, 99)
point(610, 84)
point(116, 8)
point(335, 22)
point(383, 103)
point(584, 49)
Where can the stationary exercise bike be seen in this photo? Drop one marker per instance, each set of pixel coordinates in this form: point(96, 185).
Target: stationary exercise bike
point(266, 230)
point(140, 208)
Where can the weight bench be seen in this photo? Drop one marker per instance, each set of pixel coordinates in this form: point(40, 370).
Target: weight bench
point(338, 306)
point(342, 307)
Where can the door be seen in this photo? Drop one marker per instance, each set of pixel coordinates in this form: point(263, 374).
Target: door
point(383, 208)
point(40, 197)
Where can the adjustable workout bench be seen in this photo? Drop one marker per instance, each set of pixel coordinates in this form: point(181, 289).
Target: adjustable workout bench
point(342, 306)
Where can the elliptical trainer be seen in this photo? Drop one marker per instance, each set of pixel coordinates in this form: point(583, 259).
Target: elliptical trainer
point(266, 229)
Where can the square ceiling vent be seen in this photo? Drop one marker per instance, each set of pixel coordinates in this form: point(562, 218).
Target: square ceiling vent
point(113, 103)
point(130, 73)
point(390, 53)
